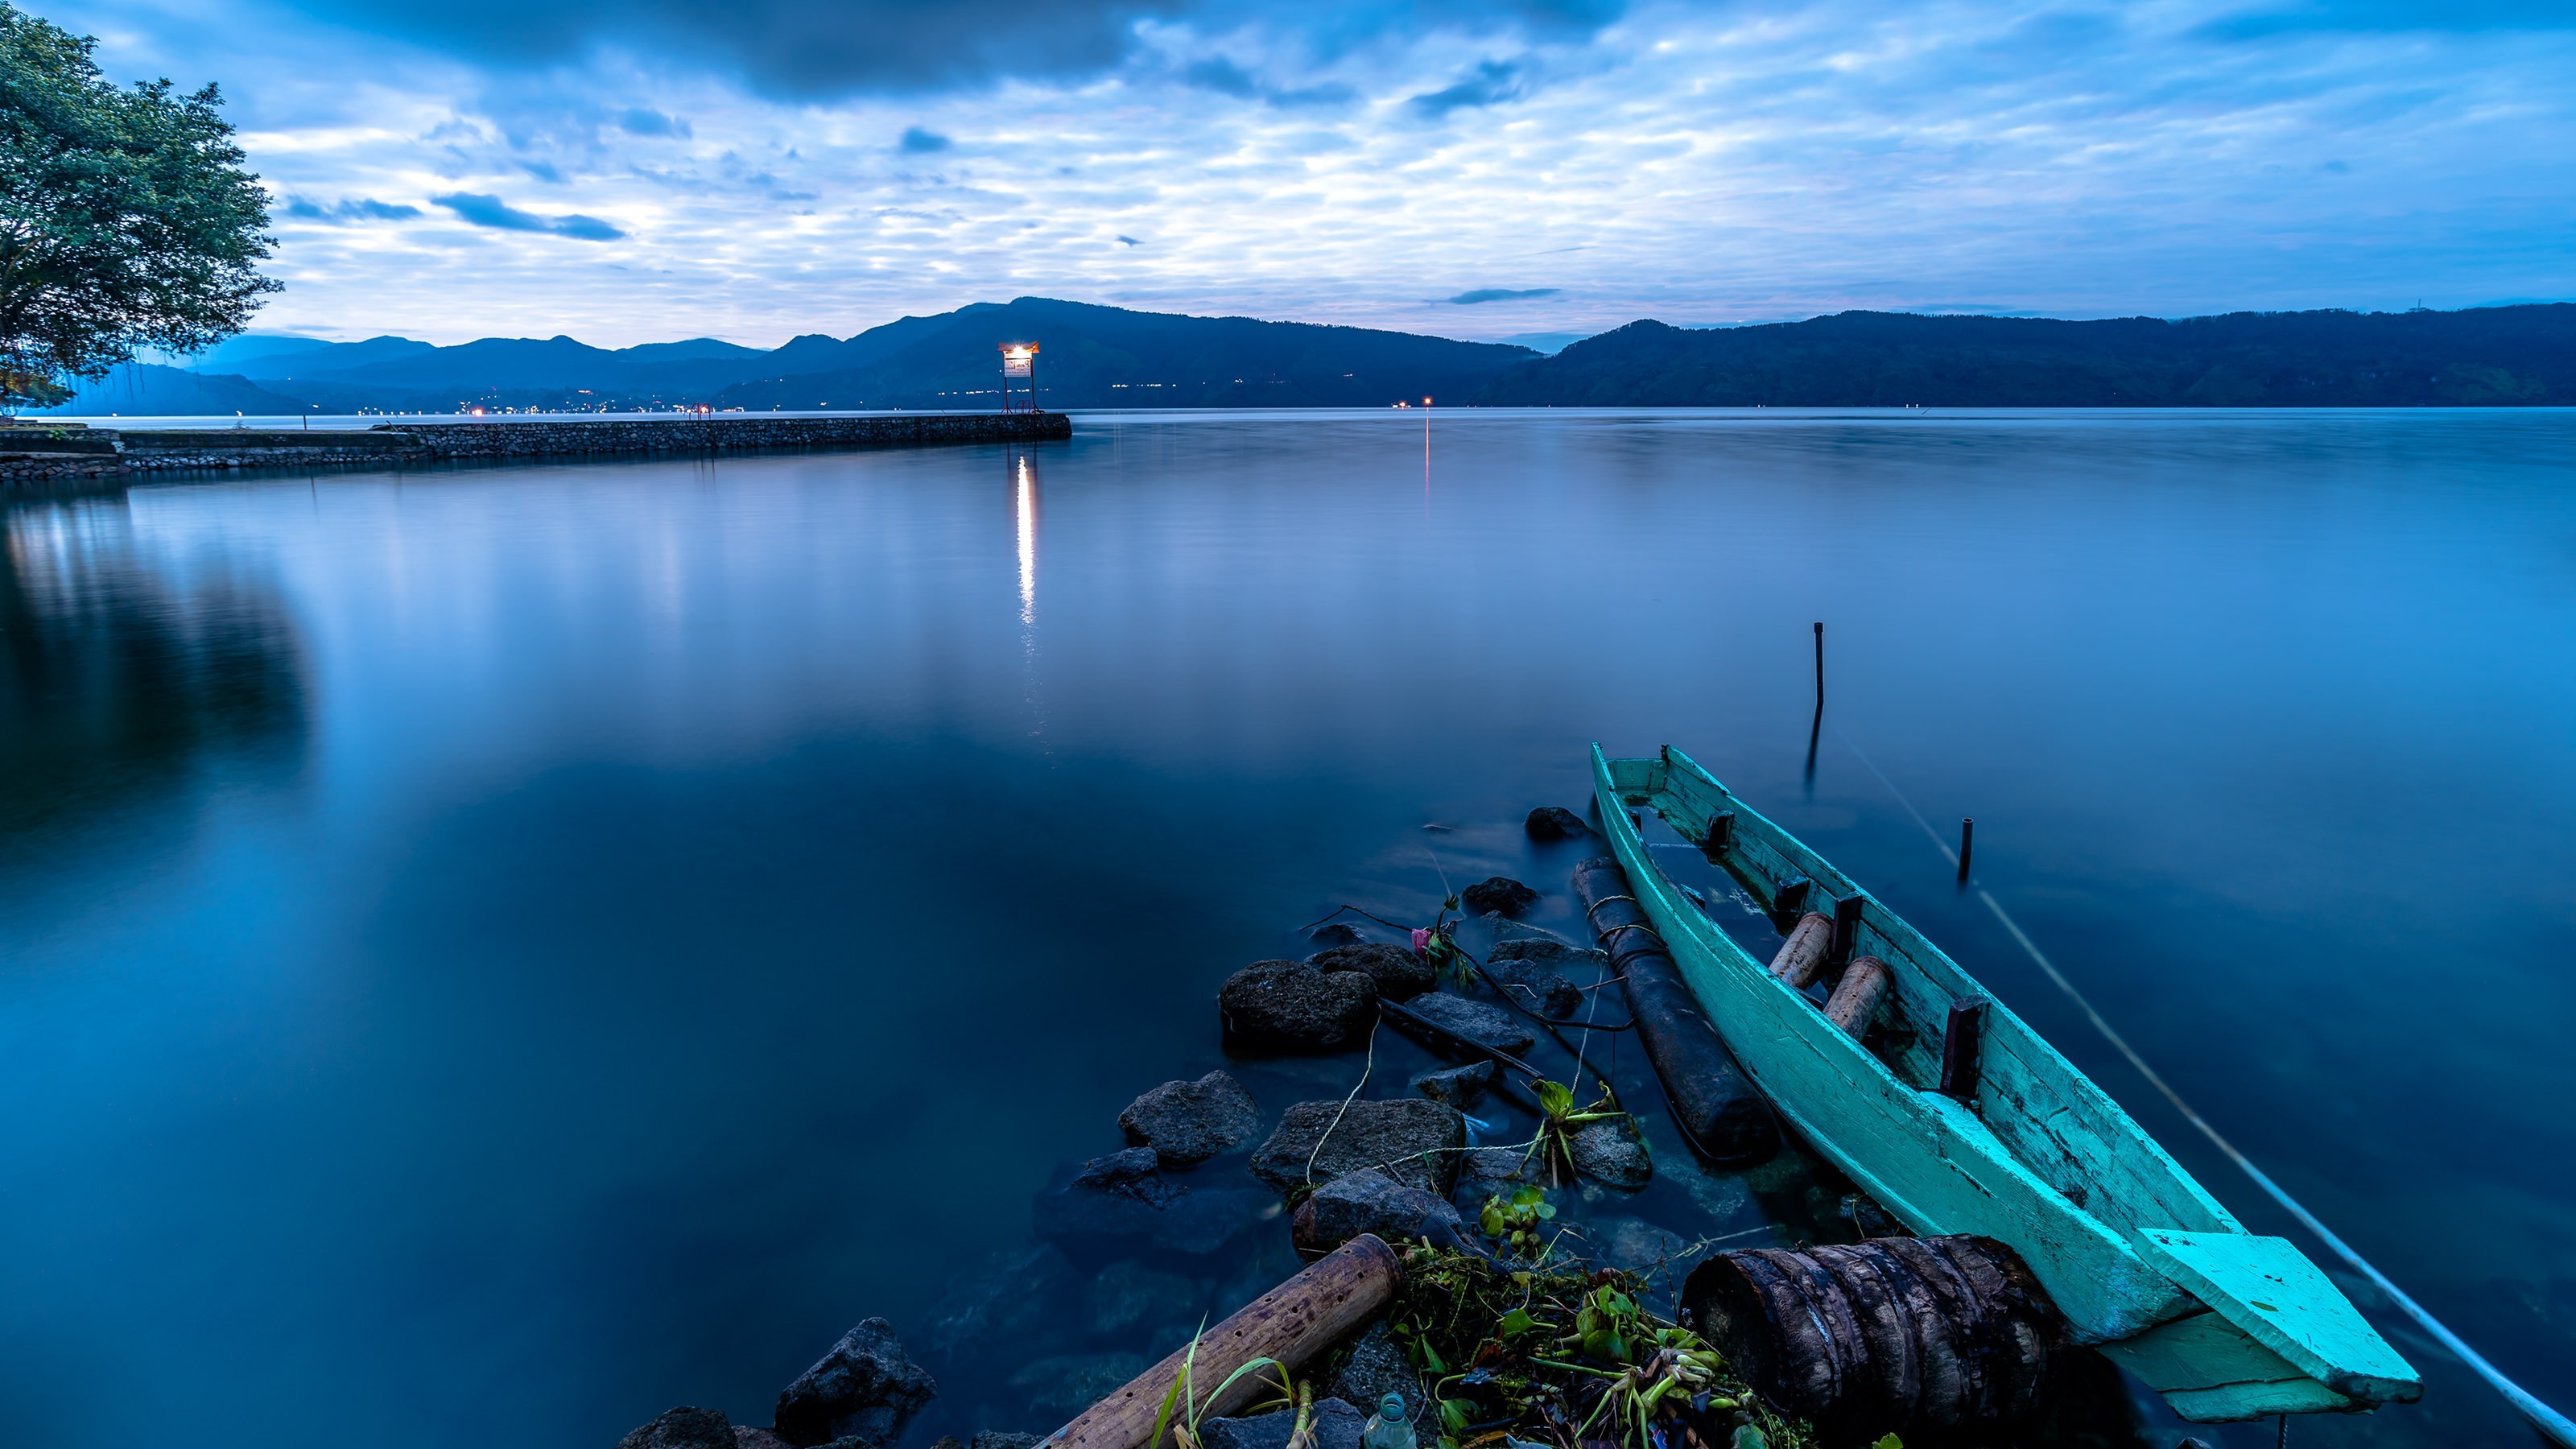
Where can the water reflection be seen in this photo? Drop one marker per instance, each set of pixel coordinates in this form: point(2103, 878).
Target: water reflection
point(125, 675)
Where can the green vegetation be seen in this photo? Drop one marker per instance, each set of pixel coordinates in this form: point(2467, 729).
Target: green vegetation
point(126, 220)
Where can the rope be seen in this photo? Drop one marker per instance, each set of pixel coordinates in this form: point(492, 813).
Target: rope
point(2553, 1425)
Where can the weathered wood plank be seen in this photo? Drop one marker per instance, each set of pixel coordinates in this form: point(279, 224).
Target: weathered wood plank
point(2270, 1291)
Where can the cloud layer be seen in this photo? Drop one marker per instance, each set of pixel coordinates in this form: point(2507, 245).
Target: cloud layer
point(633, 173)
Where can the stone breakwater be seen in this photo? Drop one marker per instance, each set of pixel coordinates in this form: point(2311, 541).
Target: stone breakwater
point(32, 451)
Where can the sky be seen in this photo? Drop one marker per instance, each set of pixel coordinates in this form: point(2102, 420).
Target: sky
point(656, 169)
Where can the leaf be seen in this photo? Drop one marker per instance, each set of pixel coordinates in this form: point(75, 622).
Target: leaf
point(1888, 1441)
point(1516, 1323)
point(1555, 1098)
point(1492, 1219)
point(1454, 1413)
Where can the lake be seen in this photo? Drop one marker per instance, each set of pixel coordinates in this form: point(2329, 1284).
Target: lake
point(488, 955)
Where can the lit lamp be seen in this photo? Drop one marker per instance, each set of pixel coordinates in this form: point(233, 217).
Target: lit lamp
point(1019, 360)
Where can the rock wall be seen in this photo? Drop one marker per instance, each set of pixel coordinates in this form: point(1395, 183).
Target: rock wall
point(48, 451)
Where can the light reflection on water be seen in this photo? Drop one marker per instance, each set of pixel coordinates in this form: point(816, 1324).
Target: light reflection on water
point(492, 954)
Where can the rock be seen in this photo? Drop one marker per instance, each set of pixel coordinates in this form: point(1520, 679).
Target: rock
point(1293, 1006)
point(1398, 974)
point(1377, 1367)
point(747, 1437)
point(1336, 933)
point(1487, 1026)
point(1488, 1170)
point(1186, 1122)
point(683, 1428)
point(1414, 1141)
point(1369, 1201)
point(1017, 1296)
point(1532, 984)
point(1555, 822)
point(1123, 1200)
point(998, 1439)
point(1551, 953)
point(864, 1389)
point(1613, 1153)
point(1498, 896)
point(1459, 1087)
point(1059, 1388)
point(1128, 1293)
point(1637, 1246)
point(1337, 1425)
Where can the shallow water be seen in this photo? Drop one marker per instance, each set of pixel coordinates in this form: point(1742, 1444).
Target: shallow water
point(485, 956)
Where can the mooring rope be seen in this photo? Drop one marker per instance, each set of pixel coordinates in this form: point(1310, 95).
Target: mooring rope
point(2553, 1425)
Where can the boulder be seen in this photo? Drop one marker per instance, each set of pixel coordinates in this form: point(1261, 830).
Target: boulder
point(1398, 974)
point(1498, 896)
point(1337, 1425)
point(1612, 1153)
point(1459, 1087)
point(1336, 933)
point(1488, 1170)
point(683, 1428)
point(1487, 1026)
point(747, 1437)
point(1369, 1201)
point(1018, 1296)
point(1555, 822)
point(1056, 1389)
point(1376, 1367)
point(1186, 1122)
point(1414, 1141)
point(1123, 1201)
point(864, 1389)
point(1534, 986)
point(998, 1439)
point(1127, 1293)
point(1293, 1006)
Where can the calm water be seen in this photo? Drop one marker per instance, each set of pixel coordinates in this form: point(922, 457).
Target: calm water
point(486, 956)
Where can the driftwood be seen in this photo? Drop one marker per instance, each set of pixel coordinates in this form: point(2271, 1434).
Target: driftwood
point(1854, 1004)
point(1889, 1334)
point(1802, 956)
point(1714, 1104)
point(1291, 1323)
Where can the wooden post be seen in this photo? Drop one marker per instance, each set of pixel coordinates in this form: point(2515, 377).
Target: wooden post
point(1789, 897)
point(1291, 1323)
point(1820, 668)
point(1854, 1004)
point(1802, 956)
point(1846, 930)
point(1960, 1041)
point(1967, 842)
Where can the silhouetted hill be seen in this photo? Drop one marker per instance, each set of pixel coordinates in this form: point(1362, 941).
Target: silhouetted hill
point(147, 389)
point(1111, 357)
point(2486, 356)
point(400, 375)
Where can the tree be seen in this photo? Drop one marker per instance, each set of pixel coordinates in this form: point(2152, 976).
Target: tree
point(126, 219)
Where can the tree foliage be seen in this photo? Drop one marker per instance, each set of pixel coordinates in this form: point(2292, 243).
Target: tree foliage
point(126, 219)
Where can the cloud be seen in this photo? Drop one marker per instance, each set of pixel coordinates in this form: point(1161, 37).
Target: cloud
point(1223, 76)
point(1130, 241)
point(645, 121)
point(493, 212)
point(919, 141)
point(1499, 294)
point(1491, 83)
point(349, 209)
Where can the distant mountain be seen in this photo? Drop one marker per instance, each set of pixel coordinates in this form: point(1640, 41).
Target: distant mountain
point(1110, 357)
point(148, 389)
point(2487, 356)
point(396, 374)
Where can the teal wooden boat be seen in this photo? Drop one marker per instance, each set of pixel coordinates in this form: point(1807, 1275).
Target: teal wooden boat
point(2141, 1260)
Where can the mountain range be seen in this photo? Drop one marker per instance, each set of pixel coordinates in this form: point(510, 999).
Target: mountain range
point(1099, 357)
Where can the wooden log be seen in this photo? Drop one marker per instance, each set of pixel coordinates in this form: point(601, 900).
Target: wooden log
point(1854, 1004)
point(1961, 1041)
point(1291, 1323)
point(1802, 956)
point(1885, 1335)
point(1713, 1102)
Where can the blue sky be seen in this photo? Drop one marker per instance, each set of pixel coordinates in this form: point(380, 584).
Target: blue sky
point(640, 171)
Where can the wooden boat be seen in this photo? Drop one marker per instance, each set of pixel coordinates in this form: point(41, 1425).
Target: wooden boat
point(2141, 1260)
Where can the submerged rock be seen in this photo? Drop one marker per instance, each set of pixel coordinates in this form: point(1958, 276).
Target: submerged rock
point(1486, 1026)
point(1123, 1200)
point(1186, 1122)
point(747, 1437)
point(1533, 984)
point(1369, 1201)
point(1336, 933)
point(1488, 1170)
point(1293, 1006)
point(1555, 822)
point(1059, 1388)
point(1398, 974)
point(865, 1389)
point(1414, 1141)
point(1637, 1246)
point(1337, 1425)
point(683, 1428)
point(1613, 1153)
point(1459, 1087)
point(1017, 1296)
point(1127, 1293)
point(1498, 896)
point(998, 1439)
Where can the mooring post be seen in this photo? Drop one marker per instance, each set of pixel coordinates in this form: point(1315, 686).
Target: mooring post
point(1820, 667)
point(1967, 841)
